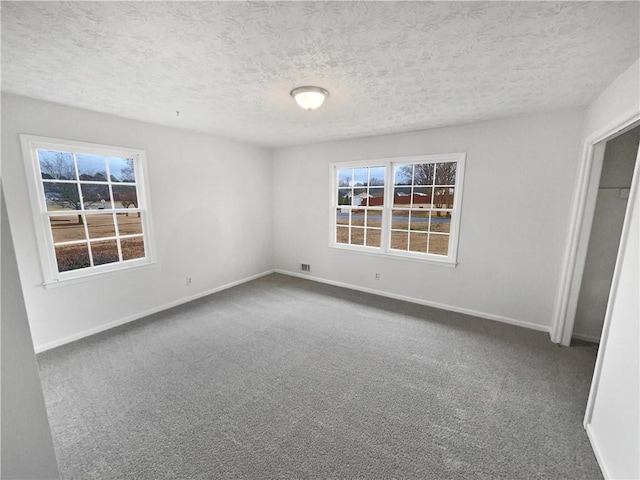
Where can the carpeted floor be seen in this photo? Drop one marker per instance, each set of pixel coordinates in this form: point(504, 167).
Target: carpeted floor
point(287, 378)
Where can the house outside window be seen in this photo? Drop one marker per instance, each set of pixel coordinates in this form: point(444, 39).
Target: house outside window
point(90, 207)
point(406, 207)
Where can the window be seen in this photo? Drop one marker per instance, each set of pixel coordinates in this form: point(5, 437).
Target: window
point(90, 206)
point(405, 207)
point(360, 201)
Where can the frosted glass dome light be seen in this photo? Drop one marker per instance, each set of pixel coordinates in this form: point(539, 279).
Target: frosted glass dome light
point(309, 98)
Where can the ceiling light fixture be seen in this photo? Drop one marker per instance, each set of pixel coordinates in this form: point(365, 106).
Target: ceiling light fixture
point(309, 98)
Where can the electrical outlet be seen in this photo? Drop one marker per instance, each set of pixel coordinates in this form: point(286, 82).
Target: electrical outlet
point(188, 281)
point(377, 275)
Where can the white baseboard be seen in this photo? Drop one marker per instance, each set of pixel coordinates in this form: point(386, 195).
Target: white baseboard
point(586, 338)
point(596, 452)
point(442, 306)
point(92, 331)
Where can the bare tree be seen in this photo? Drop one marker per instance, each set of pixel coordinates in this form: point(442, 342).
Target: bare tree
point(59, 167)
point(438, 174)
point(64, 195)
point(423, 174)
point(126, 195)
point(128, 174)
point(446, 173)
point(94, 193)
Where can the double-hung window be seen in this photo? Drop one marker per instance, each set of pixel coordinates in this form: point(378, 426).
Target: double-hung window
point(407, 207)
point(90, 206)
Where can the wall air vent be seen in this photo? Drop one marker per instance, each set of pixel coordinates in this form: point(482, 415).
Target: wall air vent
point(305, 267)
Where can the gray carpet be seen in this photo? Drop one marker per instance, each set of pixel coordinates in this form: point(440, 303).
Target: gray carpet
point(287, 378)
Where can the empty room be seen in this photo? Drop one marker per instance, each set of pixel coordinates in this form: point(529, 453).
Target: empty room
point(320, 240)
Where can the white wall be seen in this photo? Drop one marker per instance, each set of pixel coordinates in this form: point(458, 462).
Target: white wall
point(613, 423)
point(518, 184)
point(27, 447)
point(617, 170)
point(211, 206)
point(614, 426)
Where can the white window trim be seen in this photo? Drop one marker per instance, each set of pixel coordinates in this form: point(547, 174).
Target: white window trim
point(384, 250)
point(51, 277)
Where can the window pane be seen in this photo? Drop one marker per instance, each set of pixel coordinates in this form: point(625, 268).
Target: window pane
point(357, 217)
point(132, 248)
point(342, 216)
point(403, 174)
point(129, 223)
point(374, 218)
point(446, 173)
point(344, 196)
point(91, 167)
point(61, 196)
point(421, 197)
point(399, 240)
point(376, 197)
point(121, 169)
point(67, 228)
point(423, 174)
point(125, 196)
point(345, 177)
point(56, 165)
point(360, 176)
point(441, 222)
point(420, 221)
point(95, 196)
point(72, 257)
point(104, 252)
point(438, 244)
point(402, 196)
point(418, 242)
point(357, 236)
point(342, 234)
point(101, 226)
point(373, 237)
point(400, 219)
point(443, 197)
point(376, 176)
point(359, 194)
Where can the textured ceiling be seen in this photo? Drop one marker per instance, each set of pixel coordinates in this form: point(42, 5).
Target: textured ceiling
point(390, 67)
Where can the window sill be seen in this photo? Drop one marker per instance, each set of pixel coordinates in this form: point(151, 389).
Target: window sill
point(96, 275)
point(395, 256)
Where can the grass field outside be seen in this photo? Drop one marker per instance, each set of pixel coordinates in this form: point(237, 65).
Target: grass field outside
point(411, 230)
point(101, 229)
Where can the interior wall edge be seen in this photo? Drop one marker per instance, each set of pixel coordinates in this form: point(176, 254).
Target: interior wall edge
point(27, 449)
point(441, 306)
point(596, 451)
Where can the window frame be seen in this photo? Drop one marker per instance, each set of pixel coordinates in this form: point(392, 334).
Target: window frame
point(44, 234)
point(385, 241)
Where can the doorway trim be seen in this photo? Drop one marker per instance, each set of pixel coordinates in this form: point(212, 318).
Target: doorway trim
point(580, 222)
point(624, 240)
